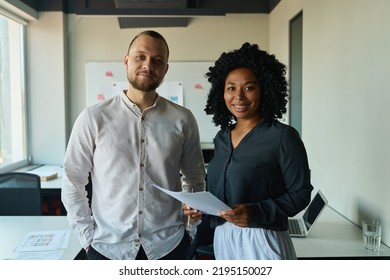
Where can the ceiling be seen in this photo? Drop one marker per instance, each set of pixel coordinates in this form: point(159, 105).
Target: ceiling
point(153, 13)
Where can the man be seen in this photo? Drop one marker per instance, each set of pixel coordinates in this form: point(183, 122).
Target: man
point(127, 143)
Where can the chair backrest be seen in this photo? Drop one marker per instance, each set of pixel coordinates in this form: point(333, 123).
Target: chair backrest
point(20, 194)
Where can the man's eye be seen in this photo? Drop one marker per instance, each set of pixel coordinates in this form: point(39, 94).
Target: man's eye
point(158, 61)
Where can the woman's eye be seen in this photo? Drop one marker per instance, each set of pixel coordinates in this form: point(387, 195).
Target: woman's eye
point(250, 88)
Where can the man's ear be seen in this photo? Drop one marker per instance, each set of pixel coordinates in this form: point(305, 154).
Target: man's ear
point(125, 61)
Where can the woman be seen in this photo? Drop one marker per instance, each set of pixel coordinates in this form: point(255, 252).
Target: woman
point(260, 167)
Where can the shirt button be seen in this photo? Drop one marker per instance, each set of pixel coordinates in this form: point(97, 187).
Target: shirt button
point(141, 189)
point(142, 140)
point(140, 212)
point(142, 165)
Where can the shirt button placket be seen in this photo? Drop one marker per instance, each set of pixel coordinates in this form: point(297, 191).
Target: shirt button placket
point(142, 154)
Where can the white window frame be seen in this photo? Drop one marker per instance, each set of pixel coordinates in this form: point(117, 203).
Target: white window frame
point(15, 122)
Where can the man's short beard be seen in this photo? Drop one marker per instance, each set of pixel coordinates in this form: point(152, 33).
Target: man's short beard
point(144, 86)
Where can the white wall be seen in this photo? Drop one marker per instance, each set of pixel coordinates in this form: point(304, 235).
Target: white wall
point(346, 66)
point(46, 84)
point(345, 106)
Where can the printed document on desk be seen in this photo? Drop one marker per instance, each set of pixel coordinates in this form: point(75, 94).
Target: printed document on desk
point(44, 241)
point(42, 245)
point(203, 201)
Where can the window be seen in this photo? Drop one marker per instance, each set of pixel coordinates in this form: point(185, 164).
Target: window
point(13, 128)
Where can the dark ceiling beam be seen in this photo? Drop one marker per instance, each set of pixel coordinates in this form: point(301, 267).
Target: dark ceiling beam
point(272, 4)
point(101, 7)
point(236, 6)
point(156, 4)
point(149, 13)
point(141, 22)
point(179, 12)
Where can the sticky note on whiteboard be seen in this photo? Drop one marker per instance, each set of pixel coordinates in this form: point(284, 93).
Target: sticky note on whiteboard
point(198, 86)
point(100, 96)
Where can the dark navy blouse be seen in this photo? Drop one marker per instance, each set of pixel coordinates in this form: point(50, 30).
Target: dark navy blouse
point(268, 171)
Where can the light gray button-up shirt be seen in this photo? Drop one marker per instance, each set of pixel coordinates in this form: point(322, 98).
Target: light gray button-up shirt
point(125, 150)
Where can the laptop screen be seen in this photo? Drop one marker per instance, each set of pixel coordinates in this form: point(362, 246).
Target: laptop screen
point(313, 211)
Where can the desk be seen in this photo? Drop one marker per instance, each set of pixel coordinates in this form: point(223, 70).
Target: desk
point(13, 230)
point(51, 185)
point(335, 237)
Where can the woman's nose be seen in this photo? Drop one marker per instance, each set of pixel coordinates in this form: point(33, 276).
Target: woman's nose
point(239, 94)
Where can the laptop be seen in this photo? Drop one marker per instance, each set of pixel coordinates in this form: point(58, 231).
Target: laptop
point(300, 227)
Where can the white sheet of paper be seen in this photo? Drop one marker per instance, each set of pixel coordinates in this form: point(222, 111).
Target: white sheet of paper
point(203, 201)
point(44, 241)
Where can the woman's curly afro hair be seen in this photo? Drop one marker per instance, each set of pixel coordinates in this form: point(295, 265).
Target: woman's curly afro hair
point(269, 72)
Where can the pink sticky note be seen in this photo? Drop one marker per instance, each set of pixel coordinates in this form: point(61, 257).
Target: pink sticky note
point(109, 74)
point(100, 96)
point(198, 86)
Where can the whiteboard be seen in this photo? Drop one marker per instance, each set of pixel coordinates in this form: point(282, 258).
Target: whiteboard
point(102, 79)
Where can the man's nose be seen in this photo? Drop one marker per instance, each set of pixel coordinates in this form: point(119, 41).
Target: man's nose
point(147, 65)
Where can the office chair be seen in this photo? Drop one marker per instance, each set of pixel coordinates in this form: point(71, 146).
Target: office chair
point(20, 194)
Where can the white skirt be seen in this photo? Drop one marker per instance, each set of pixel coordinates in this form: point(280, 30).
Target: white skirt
point(236, 243)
